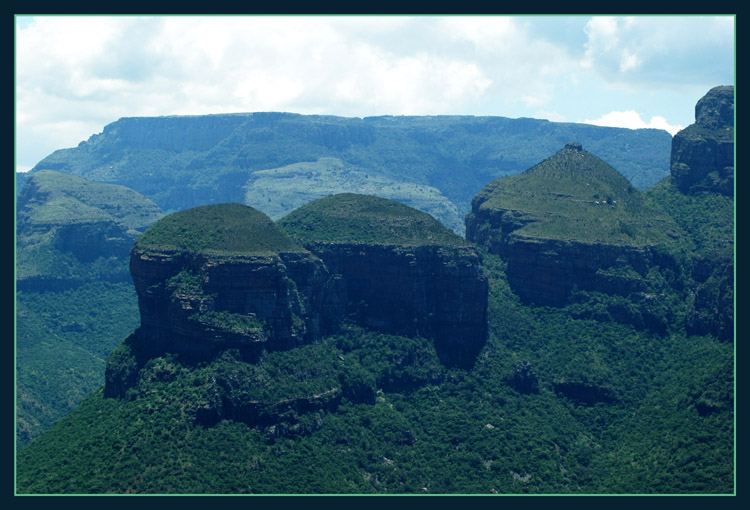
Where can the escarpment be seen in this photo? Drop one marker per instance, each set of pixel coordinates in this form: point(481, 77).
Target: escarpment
point(403, 272)
point(703, 153)
point(72, 230)
point(570, 222)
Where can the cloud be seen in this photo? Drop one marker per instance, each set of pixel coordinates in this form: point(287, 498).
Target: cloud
point(76, 74)
point(641, 52)
point(632, 120)
point(109, 67)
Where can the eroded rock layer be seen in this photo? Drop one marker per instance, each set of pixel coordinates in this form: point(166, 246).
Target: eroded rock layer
point(239, 295)
point(569, 222)
point(403, 272)
point(703, 153)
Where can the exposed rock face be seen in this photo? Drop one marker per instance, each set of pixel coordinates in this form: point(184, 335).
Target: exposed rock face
point(430, 291)
point(571, 221)
point(72, 230)
point(703, 153)
point(404, 273)
point(200, 303)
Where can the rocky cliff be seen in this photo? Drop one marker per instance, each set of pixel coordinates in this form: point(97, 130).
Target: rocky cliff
point(223, 277)
point(572, 221)
point(71, 230)
point(403, 272)
point(700, 197)
point(703, 153)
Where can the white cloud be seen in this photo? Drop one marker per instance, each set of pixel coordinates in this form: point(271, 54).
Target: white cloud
point(640, 52)
point(85, 72)
point(632, 120)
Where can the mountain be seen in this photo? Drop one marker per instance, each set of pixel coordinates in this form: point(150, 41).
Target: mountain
point(71, 230)
point(75, 299)
point(223, 292)
point(276, 162)
point(403, 272)
point(572, 223)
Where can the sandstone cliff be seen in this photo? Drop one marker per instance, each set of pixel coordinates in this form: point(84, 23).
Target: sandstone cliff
point(703, 153)
point(219, 277)
point(569, 222)
point(403, 272)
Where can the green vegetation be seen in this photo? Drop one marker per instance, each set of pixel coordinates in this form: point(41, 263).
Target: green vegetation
point(661, 419)
point(279, 191)
point(706, 220)
point(234, 322)
point(350, 218)
point(62, 341)
point(574, 195)
point(426, 428)
point(69, 198)
point(182, 162)
point(218, 229)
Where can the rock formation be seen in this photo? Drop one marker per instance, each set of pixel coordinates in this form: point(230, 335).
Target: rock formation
point(224, 277)
point(703, 153)
point(403, 272)
point(71, 230)
point(703, 170)
point(570, 221)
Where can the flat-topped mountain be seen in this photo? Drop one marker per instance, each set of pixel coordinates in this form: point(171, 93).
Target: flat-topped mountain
point(703, 153)
point(570, 221)
point(403, 271)
point(276, 162)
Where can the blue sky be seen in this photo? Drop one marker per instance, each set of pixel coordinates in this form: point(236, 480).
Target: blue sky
point(75, 74)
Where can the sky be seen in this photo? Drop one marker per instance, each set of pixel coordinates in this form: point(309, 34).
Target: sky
point(76, 74)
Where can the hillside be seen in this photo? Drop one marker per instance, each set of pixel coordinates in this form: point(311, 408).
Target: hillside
point(75, 299)
point(666, 425)
point(71, 230)
point(355, 218)
point(436, 164)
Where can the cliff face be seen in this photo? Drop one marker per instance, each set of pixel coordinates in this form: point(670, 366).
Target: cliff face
point(402, 271)
point(220, 286)
point(703, 173)
point(570, 222)
point(436, 292)
point(200, 303)
point(703, 153)
point(71, 230)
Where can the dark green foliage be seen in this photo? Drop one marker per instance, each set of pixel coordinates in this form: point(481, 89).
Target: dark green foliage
point(234, 322)
point(221, 228)
point(350, 218)
point(62, 340)
point(670, 429)
point(574, 195)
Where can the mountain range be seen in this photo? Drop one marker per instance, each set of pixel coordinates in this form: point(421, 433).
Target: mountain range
point(578, 339)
